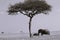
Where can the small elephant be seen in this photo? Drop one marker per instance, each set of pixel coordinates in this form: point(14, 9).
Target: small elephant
point(44, 31)
point(35, 34)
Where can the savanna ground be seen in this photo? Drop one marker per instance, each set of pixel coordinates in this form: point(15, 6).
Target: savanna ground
point(24, 36)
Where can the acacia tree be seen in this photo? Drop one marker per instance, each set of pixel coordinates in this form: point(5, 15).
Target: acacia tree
point(30, 9)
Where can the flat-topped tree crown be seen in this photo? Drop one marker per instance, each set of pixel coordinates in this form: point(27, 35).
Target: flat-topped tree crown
point(34, 7)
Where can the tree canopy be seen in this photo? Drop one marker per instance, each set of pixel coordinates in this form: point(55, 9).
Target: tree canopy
point(36, 7)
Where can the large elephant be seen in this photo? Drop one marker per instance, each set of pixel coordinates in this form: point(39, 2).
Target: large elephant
point(44, 31)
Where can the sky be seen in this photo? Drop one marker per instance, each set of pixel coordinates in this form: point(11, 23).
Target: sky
point(18, 23)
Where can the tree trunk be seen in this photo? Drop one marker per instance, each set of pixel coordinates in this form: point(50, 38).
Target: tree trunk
point(30, 27)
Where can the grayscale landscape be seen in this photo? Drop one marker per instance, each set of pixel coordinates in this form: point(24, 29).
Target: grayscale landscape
point(29, 19)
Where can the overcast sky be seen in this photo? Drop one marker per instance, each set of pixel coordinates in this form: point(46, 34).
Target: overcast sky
point(14, 24)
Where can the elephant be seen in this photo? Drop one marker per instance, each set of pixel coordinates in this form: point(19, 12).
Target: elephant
point(35, 34)
point(43, 31)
